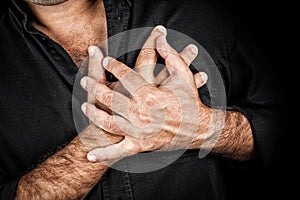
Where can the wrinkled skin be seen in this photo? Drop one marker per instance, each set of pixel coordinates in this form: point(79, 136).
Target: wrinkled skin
point(153, 113)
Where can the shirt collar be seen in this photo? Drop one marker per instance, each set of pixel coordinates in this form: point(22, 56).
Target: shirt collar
point(19, 10)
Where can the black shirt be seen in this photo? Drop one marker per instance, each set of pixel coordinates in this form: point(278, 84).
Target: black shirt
point(36, 83)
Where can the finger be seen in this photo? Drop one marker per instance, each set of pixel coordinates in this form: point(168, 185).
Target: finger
point(130, 79)
point(105, 121)
point(113, 100)
point(118, 87)
point(162, 75)
point(147, 58)
point(148, 54)
point(95, 69)
point(174, 62)
point(116, 151)
point(189, 53)
point(200, 79)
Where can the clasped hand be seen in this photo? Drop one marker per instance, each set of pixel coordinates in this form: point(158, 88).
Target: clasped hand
point(152, 113)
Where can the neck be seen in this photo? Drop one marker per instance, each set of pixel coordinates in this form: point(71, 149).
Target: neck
point(49, 16)
point(74, 24)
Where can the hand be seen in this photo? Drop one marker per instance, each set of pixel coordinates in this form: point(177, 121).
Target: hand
point(94, 136)
point(166, 117)
point(145, 65)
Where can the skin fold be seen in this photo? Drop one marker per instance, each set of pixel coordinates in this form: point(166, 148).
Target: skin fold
point(47, 2)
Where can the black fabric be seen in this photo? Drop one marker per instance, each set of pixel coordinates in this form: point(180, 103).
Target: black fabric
point(36, 82)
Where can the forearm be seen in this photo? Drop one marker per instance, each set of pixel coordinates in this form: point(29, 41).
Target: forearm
point(236, 138)
point(67, 174)
point(227, 133)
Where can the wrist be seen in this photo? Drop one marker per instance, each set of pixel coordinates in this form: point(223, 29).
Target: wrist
point(94, 137)
point(210, 128)
point(235, 139)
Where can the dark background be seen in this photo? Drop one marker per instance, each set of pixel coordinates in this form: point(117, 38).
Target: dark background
point(273, 25)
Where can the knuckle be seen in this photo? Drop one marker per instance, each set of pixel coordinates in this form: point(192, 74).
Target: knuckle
point(122, 72)
point(119, 68)
point(148, 131)
point(148, 52)
point(105, 98)
point(150, 98)
point(150, 145)
point(109, 123)
point(132, 148)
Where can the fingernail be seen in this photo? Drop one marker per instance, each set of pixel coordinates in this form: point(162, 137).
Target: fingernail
point(91, 157)
point(83, 83)
point(162, 29)
point(194, 49)
point(204, 77)
point(83, 108)
point(91, 51)
point(105, 61)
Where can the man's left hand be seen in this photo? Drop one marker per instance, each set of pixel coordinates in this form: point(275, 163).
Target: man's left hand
point(168, 116)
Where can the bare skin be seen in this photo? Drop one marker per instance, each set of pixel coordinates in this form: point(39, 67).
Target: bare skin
point(168, 117)
point(65, 175)
point(74, 24)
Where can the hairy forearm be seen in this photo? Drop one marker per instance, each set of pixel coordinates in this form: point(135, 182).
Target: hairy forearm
point(227, 134)
point(67, 174)
point(236, 138)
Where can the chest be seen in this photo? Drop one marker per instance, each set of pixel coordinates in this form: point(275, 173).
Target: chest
point(77, 42)
point(76, 34)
